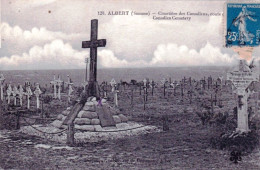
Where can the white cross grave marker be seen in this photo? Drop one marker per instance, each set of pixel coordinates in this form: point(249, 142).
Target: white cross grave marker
point(70, 84)
point(241, 78)
point(15, 92)
point(70, 92)
point(9, 92)
point(145, 90)
point(105, 90)
point(221, 80)
point(163, 81)
point(54, 82)
point(2, 80)
point(20, 93)
point(145, 82)
point(84, 84)
point(59, 83)
point(28, 94)
point(113, 84)
point(37, 93)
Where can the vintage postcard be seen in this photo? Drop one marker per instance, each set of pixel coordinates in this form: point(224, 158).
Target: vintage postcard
point(129, 84)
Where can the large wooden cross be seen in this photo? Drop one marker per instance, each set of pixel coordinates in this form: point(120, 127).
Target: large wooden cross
point(92, 88)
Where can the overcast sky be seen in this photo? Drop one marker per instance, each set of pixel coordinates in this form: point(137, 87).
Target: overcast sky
point(48, 34)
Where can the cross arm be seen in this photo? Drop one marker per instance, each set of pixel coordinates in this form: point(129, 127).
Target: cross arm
point(94, 43)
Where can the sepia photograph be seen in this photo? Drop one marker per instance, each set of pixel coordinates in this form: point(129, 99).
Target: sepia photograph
point(129, 84)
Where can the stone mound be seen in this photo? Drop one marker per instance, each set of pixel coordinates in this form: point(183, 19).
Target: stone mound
point(87, 119)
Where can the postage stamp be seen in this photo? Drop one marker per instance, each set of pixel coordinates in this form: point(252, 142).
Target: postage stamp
point(243, 24)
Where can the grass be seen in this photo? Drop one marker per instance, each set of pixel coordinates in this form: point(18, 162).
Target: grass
point(186, 145)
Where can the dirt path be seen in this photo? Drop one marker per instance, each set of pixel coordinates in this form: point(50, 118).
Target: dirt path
point(185, 146)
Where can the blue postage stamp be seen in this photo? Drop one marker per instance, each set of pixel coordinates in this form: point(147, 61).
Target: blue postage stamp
point(243, 24)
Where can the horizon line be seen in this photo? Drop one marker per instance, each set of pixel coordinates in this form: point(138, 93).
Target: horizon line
point(115, 68)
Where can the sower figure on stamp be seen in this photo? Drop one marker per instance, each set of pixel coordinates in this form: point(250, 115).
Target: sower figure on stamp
point(240, 21)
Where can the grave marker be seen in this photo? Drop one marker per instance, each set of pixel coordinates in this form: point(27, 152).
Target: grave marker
point(2, 80)
point(59, 83)
point(54, 83)
point(70, 84)
point(241, 78)
point(15, 92)
point(190, 92)
point(20, 93)
point(174, 85)
point(163, 81)
point(132, 87)
point(152, 85)
point(221, 80)
point(190, 81)
point(182, 89)
point(37, 93)
point(84, 84)
point(28, 94)
point(184, 80)
point(105, 116)
point(145, 92)
point(105, 88)
point(93, 44)
point(113, 84)
point(209, 82)
point(9, 92)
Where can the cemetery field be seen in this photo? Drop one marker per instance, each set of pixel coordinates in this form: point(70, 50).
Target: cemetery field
point(186, 145)
point(44, 77)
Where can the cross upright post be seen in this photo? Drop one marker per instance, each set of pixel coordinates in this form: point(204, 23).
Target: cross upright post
point(92, 89)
